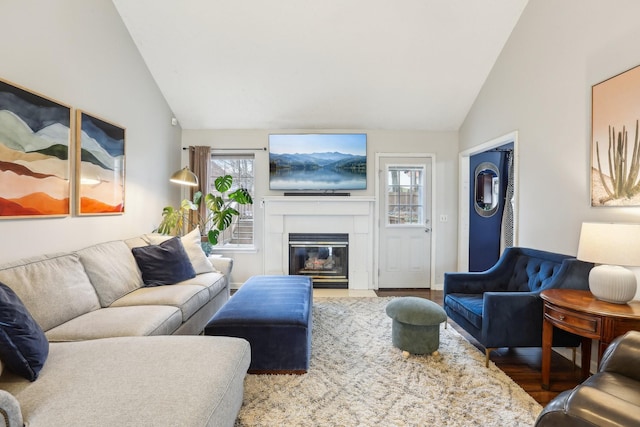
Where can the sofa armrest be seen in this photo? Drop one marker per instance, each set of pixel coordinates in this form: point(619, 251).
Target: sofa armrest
point(10, 413)
point(511, 318)
point(223, 264)
point(622, 356)
point(469, 283)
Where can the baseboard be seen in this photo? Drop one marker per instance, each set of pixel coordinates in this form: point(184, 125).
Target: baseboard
point(567, 353)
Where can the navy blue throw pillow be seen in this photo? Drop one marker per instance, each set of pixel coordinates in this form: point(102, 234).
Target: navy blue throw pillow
point(164, 264)
point(23, 346)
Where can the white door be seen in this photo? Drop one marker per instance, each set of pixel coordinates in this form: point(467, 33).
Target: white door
point(405, 222)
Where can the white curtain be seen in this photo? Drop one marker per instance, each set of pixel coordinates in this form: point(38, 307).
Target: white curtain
point(507, 232)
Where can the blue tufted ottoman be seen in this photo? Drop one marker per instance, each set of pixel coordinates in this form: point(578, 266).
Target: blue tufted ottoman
point(274, 314)
point(416, 324)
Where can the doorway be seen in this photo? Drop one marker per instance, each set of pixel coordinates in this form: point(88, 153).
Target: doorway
point(404, 186)
point(488, 219)
point(468, 238)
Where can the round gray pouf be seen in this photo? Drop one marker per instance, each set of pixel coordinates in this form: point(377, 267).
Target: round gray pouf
point(416, 324)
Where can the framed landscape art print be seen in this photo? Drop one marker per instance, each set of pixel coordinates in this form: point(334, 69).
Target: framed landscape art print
point(100, 160)
point(615, 143)
point(35, 138)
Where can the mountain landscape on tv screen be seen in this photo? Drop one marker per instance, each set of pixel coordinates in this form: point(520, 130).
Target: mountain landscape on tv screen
point(311, 161)
point(317, 171)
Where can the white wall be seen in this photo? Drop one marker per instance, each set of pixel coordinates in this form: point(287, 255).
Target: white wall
point(442, 144)
point(541, 87)
point(80, 54)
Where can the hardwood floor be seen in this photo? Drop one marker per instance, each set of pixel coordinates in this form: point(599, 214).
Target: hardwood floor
point(521, 364)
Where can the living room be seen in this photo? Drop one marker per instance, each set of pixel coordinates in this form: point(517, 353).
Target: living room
point(539, 86)
point(82, 55)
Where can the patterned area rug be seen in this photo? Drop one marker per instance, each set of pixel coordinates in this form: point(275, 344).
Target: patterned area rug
point(357, 378)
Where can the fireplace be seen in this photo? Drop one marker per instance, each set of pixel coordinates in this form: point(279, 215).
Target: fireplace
point(322, 256)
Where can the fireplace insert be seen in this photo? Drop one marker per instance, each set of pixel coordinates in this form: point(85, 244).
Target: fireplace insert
point(322, 256)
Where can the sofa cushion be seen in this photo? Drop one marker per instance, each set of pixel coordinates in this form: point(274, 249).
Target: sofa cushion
point(54, 290)
point(164, 264)
point(23, 346)
point(136, 242)
point(119, 321)
point(137, 381)
point(214, 282)
point(112, 270)
point(188, 298)
point(192, 245)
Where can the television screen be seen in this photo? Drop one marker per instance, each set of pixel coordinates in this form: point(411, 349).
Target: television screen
point(318, 162)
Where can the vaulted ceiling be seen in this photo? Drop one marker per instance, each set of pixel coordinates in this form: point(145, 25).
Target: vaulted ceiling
point(320, 64)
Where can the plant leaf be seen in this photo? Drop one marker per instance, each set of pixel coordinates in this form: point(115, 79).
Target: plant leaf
point(223, 219)
point(242, 196)
point(223, 183)
point(197, 198)
point(212, 235)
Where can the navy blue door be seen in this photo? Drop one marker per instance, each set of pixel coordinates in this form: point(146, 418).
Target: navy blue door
point(485, 228)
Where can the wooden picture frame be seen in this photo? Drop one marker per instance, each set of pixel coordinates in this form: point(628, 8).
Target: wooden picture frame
point(35, 140)
point(615, 140)
point(100, 166)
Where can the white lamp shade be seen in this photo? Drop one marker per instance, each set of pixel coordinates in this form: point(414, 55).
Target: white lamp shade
point(612, 245)
point(185, 177)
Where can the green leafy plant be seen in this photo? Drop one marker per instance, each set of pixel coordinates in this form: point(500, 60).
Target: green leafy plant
point(219, 215)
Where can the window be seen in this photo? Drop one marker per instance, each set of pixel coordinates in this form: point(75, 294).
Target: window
point(405, 195)
point(240, 167)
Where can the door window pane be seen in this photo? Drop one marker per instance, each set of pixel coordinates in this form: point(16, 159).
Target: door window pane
point(405, 195)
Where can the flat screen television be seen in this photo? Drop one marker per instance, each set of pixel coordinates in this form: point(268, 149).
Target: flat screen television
point(322, 162)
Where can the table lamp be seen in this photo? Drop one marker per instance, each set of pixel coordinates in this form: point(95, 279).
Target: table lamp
point(612, 246)
point(184, 177)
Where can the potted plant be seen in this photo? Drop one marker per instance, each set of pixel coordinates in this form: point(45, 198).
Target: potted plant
point(219, 213)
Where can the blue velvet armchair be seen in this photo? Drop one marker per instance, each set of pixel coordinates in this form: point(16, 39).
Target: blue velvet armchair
point(501, 307)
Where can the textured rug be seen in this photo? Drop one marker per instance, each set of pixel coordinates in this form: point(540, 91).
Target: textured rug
point(357, 378)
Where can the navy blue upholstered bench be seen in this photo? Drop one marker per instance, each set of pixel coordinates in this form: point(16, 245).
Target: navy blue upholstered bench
point(274, 314)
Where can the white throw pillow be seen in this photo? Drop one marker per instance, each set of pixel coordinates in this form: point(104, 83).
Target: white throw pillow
point(192, 244)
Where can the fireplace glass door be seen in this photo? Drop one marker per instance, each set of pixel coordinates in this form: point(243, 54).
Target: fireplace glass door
point(324, 257)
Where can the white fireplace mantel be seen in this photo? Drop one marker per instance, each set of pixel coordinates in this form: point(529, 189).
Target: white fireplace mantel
point(320, 214)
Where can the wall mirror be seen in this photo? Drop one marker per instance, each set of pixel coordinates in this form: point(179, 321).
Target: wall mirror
point(487, 189)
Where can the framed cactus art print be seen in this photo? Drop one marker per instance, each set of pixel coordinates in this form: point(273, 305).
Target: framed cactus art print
point(615, 140)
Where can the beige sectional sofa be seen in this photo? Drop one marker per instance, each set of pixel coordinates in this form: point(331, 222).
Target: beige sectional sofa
point(111, 358)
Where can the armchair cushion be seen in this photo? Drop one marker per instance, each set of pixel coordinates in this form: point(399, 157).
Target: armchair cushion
point(468, 306)
point(532, 274)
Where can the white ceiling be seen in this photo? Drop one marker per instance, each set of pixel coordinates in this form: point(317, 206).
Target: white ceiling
point(320, 64)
